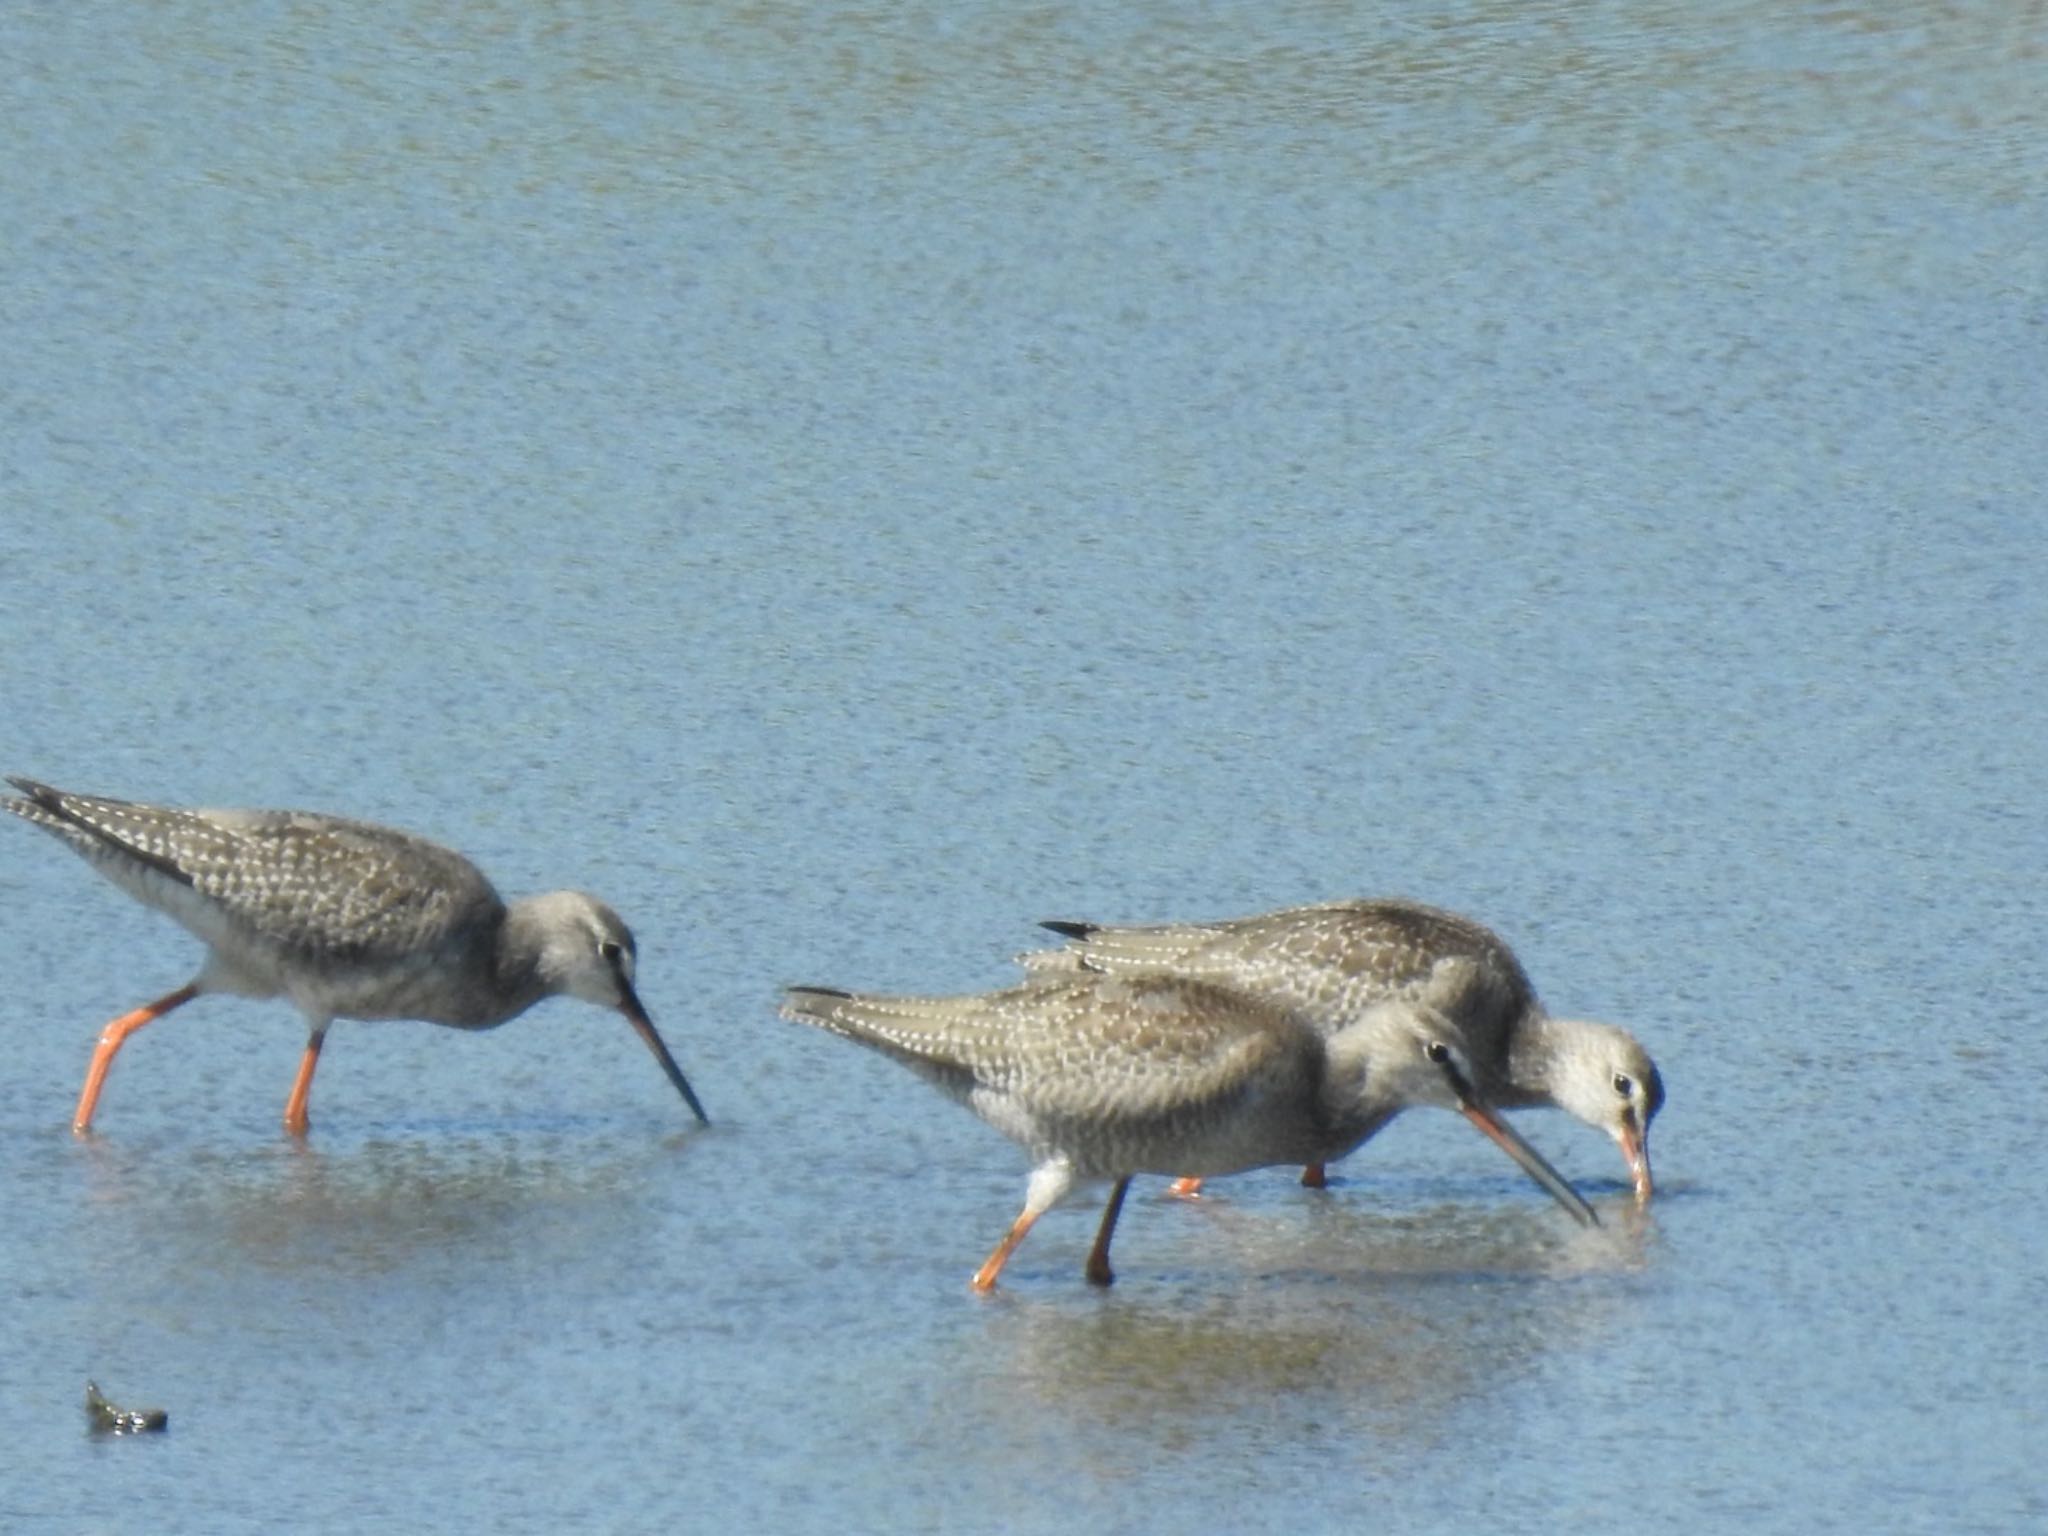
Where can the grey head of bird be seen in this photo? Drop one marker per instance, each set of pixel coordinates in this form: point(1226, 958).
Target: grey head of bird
point(1602, 1075)
point(1398, 1054)
point(579, 947)
point(1403, 1054)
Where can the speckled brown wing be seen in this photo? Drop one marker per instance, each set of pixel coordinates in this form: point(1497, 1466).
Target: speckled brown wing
point(322, 886)
point(1085, 1048)
point(1331, 961)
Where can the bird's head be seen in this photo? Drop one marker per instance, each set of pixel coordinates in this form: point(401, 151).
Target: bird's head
point(586, 950)
point(1604, 1077)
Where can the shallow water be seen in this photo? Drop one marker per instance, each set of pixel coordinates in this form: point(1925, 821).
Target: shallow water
point(846, 484)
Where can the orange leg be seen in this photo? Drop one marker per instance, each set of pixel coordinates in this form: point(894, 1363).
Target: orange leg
point(1185, 1189)
point(295, 1121)
point(1313, 1177)
point(111, 1039)
point(1098, 1271)
point(984, 1279)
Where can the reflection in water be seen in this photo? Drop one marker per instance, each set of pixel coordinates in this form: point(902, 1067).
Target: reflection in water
point(368, 1209)
point(1351, 1319)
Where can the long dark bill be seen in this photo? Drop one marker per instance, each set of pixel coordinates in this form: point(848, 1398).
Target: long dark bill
point(1510, 1141)
point(637, 1017)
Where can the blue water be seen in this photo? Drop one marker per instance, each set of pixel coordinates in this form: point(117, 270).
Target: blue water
point(845, 484)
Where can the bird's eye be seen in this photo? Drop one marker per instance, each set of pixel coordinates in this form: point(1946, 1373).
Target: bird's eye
point(1623, 1084)
point(1438, 1052)
point(608, 949)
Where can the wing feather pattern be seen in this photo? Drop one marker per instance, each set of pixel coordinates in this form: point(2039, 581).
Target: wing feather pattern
point(1086, 1048)
point(323, 885)
point(1331, 960)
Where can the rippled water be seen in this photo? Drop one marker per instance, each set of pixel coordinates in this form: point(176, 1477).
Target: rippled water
point(847, 483)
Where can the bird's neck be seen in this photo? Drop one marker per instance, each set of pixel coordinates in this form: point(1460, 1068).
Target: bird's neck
point(517, 981)
point(1535, 1046)
point(1348, 1109)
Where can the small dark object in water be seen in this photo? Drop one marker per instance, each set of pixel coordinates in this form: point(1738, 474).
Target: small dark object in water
point(106, 1419)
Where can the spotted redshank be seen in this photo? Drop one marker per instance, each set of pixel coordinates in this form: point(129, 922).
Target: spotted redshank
point(1331, 961)
point(347, 919)
point(1104, 1077)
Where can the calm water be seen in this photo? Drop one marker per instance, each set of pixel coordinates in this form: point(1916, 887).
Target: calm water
point(845, 483)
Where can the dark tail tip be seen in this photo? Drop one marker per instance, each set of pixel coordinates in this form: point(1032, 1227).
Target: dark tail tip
point(39, 803)
point(1070, 930)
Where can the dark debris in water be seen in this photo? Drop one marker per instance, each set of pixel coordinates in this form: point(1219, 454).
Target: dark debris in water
point(105, 1418)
